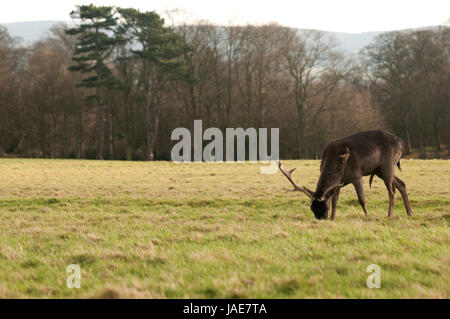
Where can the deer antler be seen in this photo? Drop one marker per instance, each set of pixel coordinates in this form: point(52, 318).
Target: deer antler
point(288, 176)
point(339, 183)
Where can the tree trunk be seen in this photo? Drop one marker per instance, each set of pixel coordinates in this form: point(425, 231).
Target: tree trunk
point(41, 135)
point(301, 128)
point(301, 138)
point(437, 136)
point(65, 137)
point(128, 125)
point(153, 114)
point(148, 132)
point(153, 136)
point(53, 137)
point(111, 135)
point(79, 142)
point(100, 127)
point(407, 142)
point(407, 136)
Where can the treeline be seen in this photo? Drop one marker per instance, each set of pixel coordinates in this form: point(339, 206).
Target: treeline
point(116, 84)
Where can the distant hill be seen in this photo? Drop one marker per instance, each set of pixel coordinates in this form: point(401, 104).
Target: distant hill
point(32, 31)
point(354, 42)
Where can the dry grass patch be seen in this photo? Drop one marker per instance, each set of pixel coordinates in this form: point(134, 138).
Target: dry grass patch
point(164, 230)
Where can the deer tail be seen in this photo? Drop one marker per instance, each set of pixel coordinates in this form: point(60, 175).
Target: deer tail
point(370, 180)
point(398, 165)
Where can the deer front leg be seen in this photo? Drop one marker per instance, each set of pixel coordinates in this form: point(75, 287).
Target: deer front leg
point(360, 192)
point(334, 203)
point(390, 190)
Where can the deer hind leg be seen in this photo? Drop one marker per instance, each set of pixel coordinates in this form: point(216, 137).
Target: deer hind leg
point(360, 192)
point(400, 185)
point(334, 202)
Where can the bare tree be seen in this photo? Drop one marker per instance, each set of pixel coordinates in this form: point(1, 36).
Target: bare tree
point(316, 68)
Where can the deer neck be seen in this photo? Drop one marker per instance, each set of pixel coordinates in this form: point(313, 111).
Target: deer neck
point(326, 180)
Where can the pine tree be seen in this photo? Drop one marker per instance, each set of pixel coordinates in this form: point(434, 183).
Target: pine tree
point(95, 42)
point(159, 49)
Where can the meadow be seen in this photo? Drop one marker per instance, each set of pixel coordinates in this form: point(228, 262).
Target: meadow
point(166, 230)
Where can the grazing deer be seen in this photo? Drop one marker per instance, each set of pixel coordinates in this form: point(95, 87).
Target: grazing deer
point(346, 161)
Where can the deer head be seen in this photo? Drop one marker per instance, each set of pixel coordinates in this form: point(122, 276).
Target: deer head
point(320, 203)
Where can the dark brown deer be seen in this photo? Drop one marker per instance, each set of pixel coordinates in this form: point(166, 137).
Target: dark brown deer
point(346, 161)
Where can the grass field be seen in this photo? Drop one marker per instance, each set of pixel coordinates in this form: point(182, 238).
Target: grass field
point(165, 230)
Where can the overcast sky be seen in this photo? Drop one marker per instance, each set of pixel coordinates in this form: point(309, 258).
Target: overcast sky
point(337, 15)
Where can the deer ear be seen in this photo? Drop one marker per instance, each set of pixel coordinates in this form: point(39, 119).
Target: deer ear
point(322, 198)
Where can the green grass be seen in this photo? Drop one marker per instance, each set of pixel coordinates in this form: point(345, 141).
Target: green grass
point(166, 230)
